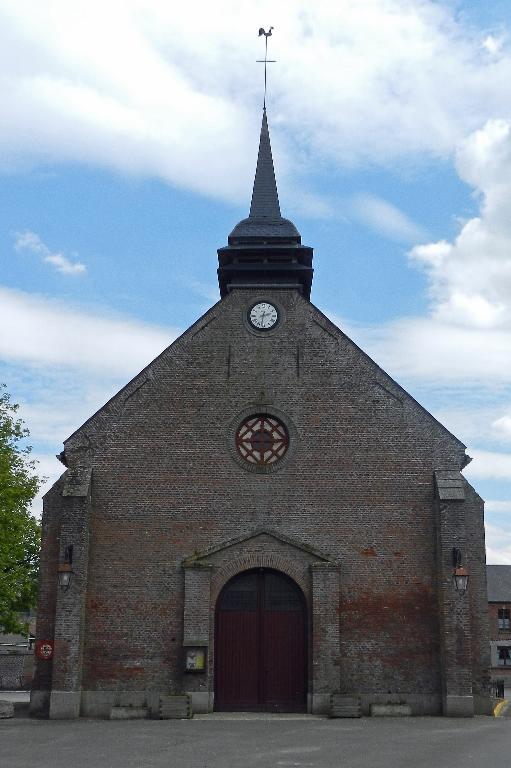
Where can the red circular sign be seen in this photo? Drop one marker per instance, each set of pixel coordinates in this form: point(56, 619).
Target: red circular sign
point(44, 649)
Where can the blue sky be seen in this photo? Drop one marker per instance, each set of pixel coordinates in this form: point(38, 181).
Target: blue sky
point(128, 143)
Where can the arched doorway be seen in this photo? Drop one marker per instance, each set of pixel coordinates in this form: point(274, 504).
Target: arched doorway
point(261, 644)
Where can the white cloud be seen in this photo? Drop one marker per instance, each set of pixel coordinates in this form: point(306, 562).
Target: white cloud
point(306, 203)
point(470, 278)
point(171, 90)
point(208, 291)
point(466, 413)
point(498, 507)
point(489, 465)
point(385, 218)
point(498, 545)
point(430, 351)
point(502, 427)
point(29, 241)
point(62, 264)
point(40, 331)
point(493, 44)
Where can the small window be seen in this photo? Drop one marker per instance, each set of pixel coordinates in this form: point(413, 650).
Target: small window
point(504, 615)
point(504, 656)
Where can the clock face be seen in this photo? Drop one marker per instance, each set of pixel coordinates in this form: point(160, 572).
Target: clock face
point(263, 316)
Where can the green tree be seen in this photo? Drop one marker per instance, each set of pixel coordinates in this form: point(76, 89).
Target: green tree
point(19, 531)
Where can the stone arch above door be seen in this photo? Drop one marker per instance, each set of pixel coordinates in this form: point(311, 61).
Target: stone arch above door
point(271, 560)
point(263, 548)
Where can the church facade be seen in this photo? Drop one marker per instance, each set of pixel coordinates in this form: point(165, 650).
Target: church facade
point(262, 519)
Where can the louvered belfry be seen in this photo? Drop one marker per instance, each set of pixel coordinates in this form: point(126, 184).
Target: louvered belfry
point(265, 250)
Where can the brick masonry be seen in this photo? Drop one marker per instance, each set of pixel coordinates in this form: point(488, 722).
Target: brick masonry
point(351, 514)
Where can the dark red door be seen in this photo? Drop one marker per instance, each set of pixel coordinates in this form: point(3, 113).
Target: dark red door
point(260, 644)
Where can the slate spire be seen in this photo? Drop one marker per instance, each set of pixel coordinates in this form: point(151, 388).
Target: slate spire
point(265, 219)
point(265, 198)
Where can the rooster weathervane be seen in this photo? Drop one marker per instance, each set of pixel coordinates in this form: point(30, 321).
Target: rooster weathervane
point(266, 60)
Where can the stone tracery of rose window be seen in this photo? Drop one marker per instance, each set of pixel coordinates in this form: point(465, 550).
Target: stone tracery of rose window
point(262, 439)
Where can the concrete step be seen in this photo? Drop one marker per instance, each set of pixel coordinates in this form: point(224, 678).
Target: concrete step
point(175, 707)
point(390, 710)
point(345, 706)
point(129, 713)
point(6, 709)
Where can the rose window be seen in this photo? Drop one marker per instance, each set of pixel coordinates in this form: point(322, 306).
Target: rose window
point(262, 439)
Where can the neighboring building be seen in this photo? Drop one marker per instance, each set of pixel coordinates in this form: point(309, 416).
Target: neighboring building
point(499, 608)
point(17, 656)
point(262, 518)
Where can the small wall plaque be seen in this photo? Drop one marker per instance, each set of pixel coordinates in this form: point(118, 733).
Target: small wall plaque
point(195, 659)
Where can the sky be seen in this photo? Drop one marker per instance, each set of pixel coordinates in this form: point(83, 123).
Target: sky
point(128, 142)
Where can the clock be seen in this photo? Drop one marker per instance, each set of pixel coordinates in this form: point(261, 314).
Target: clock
point(263, 316)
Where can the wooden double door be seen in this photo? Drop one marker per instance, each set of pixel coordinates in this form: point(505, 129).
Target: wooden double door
point(261, 644)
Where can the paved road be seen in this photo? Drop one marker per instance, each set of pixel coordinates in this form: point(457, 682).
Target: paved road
point(431, 742)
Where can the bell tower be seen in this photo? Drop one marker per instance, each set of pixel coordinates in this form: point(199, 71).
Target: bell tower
point(265, 250)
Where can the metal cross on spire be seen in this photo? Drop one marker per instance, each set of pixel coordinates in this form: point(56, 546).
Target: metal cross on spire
point(266, 60)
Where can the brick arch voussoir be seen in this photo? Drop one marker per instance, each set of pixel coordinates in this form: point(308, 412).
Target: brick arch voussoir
point(226, 572)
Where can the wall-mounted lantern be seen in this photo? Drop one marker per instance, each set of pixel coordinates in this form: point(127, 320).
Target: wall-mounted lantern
point(65, 571)
point(459, 575)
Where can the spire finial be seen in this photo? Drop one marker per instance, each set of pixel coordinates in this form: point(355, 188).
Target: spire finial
point(266, 60)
